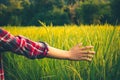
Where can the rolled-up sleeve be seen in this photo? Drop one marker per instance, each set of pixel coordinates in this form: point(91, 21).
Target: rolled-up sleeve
point(22, 46)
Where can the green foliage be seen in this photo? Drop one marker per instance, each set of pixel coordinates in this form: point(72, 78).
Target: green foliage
point(55, 16)
point(115, 6)
point(59, 12)
point(93, 13)
point(90, 13)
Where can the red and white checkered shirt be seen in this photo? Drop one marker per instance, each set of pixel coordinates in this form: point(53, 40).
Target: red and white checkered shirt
point(21, 46)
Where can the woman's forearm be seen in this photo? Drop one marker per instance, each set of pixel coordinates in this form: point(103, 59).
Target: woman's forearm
point(57, 53)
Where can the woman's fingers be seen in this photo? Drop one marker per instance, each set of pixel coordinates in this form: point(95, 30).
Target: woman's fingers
point(87, 55)
point(86, 58)
point(86, 48)
point(87, 52)
point(79, 45)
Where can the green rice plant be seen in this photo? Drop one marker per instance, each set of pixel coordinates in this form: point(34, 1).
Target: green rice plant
point(104, 66)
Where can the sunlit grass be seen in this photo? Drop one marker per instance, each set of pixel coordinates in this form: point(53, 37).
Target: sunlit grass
point(105, 64)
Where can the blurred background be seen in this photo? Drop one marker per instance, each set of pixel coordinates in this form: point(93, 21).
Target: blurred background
point(59, 12)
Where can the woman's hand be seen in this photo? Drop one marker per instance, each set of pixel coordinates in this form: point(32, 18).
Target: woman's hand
point(81, 53)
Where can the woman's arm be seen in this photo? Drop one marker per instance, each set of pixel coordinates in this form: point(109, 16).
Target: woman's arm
point(31, 49)
point(76, 53)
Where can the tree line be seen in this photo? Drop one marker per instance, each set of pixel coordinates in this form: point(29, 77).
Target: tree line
point(59, 12)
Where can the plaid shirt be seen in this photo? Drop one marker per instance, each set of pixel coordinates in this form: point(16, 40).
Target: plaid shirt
point(21, 46)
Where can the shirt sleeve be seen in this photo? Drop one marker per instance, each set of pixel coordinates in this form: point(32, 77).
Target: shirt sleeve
point(22, 46)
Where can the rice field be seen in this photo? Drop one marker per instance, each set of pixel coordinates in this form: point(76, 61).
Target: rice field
point(104, 66)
